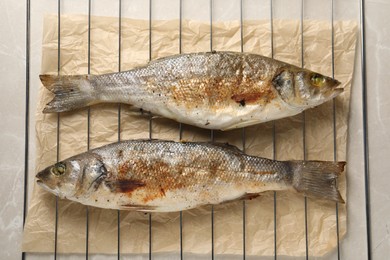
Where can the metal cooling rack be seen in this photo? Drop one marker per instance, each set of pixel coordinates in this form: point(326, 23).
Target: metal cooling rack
point(210, 9)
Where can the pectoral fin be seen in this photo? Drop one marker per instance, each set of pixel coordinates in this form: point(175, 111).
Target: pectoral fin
point(124, 186)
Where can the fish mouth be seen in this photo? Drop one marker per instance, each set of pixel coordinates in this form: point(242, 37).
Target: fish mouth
point(334, 93)
point(336, 90)
point(337, 85)
point(42, 184)
point(45, 187)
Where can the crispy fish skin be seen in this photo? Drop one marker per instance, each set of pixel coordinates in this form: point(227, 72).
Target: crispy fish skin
point(167, 176)
point(214, 90)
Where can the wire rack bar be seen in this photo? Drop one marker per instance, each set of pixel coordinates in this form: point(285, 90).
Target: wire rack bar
point(150, 58)
point(304, 132)
point(58, 123)
point(212, 137)
point(365, 128)
point(27, 115)
point(27, 111)
point(150, 30)
point(334, 127)
point(119, 118)
point(88, 129)
point(243, 141)
point(89, 69)
point(241, 27)
point(273, 122)
point(180, 124)
point(150, 236)
point(212, 233)
point(211, 24)
point(150, 121)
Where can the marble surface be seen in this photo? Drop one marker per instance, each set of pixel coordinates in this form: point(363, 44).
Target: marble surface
point(12, 106)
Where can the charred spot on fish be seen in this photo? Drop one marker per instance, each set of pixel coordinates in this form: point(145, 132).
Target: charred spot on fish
point(244, 98)
point(120, 153)
point(124, 186)
point(162, 191)
point(207, 123)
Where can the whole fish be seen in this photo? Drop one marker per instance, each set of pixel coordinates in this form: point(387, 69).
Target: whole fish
point(167, 176)
point(214, 90)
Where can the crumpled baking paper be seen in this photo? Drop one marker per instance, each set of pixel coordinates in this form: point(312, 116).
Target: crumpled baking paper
point(228, 218)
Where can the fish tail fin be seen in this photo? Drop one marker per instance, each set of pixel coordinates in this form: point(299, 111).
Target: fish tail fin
point(71, 92)
point(317, 179)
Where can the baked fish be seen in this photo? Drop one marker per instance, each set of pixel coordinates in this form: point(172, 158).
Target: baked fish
point(214, 90)
point(167, 176)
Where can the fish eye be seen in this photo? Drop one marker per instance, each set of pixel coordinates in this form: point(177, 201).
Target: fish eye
point(317, 80)
point(58, 169)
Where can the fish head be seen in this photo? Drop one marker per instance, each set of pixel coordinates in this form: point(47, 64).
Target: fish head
point(74, 177)
point(303, 88)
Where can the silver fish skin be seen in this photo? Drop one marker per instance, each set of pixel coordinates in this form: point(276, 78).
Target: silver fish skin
point(167, 176)
point(214, 90)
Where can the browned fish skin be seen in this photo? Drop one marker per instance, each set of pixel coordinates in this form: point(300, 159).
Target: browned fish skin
point(217, 78)
point(156, 175)
point(217, 90)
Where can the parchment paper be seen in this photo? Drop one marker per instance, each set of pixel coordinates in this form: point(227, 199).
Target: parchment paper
point(39, 228)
